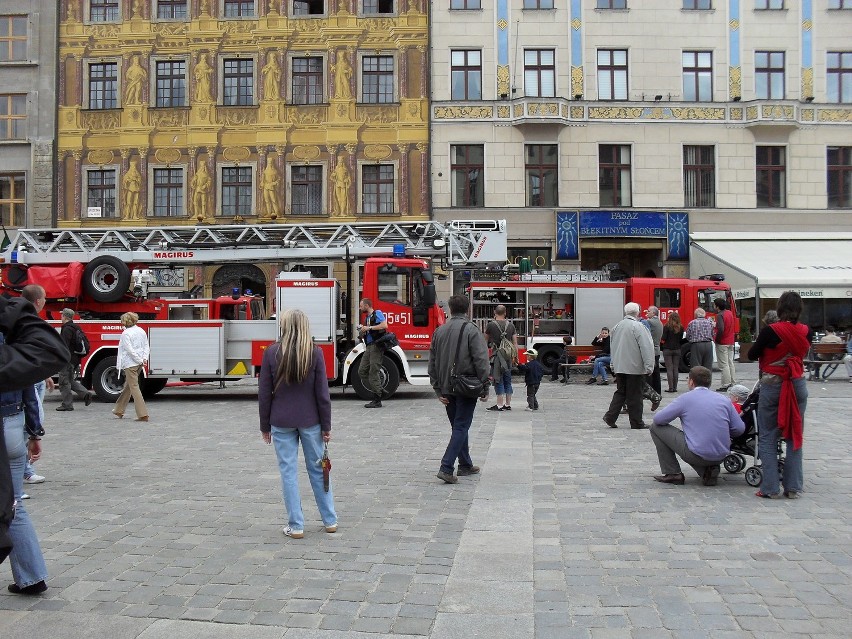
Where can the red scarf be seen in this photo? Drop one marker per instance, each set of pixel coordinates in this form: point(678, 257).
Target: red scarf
point(786, 362)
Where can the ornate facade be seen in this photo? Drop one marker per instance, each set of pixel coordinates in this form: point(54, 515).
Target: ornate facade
point(232, 111)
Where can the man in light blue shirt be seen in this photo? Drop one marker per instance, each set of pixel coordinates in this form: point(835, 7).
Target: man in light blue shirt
point(709, 421)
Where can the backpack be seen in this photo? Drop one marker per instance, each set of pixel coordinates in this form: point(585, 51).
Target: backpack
point(506, 347)
point(81, 343)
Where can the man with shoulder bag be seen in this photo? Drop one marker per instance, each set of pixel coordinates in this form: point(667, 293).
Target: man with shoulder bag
point(459, 371)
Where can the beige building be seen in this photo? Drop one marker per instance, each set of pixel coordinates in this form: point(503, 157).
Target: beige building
point(608, 131)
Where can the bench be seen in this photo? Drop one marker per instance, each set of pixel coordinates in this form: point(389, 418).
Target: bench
point(823, 359)
point(582, 353)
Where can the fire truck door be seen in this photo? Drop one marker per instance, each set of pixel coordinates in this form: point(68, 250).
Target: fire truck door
point(186, 350)
point(595, 308)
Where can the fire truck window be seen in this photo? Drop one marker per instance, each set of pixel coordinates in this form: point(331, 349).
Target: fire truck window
point(706, 297)
point(395, 287)
point(257, 310)
point(667, 297)
point(226, 311)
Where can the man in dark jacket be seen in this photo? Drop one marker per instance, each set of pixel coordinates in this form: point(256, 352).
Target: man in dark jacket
point(31, 352)
point(68, 382)
point(472, 360)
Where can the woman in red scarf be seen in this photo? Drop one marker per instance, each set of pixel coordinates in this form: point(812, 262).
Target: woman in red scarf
point(780, 348)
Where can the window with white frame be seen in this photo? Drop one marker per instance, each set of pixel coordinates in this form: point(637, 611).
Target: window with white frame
point(540, 73)
point(838, 76)
point(13, 199)
point(699, 176)
point(237, 81)
point(100, 191)
point(302, 8)
point(614, 184)
point(168, 191)
point(308, 80)
point(377, 7)
point(104, 10)
point(377, 189)
point(13, 38)
point(697, 76)
point(13, 116)
point(611, 4)
point(170, 83)
point(102, 81)
point(377, 79)
point(697, 5)
point(765, 5)
point(171, 9)
point(612, 74)
point(769, 75)
point(538, 4)
point(465, 5)
point(306, 189)
point(236, 190)
point(466, 75)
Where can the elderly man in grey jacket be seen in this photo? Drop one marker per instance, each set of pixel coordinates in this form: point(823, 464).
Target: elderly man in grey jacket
point(632, 359)
point(472, 360)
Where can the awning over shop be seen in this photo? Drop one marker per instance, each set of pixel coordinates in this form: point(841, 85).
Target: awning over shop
point(814, 265)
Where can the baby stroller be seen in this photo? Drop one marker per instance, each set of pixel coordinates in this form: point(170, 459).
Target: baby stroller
point(745, 445)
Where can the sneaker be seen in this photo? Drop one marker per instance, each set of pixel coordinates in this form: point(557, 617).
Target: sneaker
point(373, 404)
point(592, 381)
point(34, 589)
point(24, 496)
point(447, 477)
point(507, 407)
point(529, 409)
point(331, 529)
point(495, 408)
point(34, 479)
point(792, 494)
point(463, 472)
point(295, 534)
point(64, 408)
point(603, 383)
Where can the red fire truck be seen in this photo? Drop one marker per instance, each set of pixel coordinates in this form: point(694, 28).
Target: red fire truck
point(103, 273)
point(548, 305)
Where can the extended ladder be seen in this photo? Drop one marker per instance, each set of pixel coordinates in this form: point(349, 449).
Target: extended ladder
point(459, 242)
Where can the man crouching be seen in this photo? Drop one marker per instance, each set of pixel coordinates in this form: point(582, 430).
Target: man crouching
point(709, 422)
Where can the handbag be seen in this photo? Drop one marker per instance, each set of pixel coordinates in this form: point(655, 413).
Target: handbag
point(387, 341)
point(465, 384)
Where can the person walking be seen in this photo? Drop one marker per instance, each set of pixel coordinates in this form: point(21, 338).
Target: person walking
point(699, 333)
point(652, 317)
point(780, 348)
point(68, 382)
point(375, 326)
point(533, 373)
point(133, 353)
point(670, 343)
point(295, 406)
point(632, 359)
point(601, 341)
point(472, 359)
point(501, 369)
point(725, 338)
point(35, 294)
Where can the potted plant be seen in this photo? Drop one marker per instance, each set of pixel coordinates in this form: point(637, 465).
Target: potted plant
point(745, 339)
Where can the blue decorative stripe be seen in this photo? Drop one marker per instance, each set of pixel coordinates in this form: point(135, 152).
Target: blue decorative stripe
point(734, 10)
point(576, 35)
point(807, 34)
point(503, 34)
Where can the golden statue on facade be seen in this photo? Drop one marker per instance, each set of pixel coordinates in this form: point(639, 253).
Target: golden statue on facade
point(342, 182)
point(200, 185)
point(342, 75)
point(271, 77)
point(270, 187)
point(202, 74)
point(131, 187)
point(135, 77)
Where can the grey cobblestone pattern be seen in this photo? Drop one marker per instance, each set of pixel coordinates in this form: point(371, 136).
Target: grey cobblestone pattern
point(173, 529)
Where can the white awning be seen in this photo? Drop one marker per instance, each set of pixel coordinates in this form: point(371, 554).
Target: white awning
point(814, 265)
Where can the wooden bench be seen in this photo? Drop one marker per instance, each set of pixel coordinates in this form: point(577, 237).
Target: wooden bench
point(823, 359)
point(581, 353)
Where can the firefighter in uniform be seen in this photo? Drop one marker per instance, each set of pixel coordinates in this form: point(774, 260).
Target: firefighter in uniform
point(375, 326)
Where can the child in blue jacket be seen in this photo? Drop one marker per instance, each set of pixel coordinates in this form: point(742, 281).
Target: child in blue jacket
point(533, 372)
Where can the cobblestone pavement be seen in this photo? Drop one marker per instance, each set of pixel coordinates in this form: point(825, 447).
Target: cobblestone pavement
point(173, 529)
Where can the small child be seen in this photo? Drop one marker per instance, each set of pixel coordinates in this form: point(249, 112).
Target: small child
point(738, 394)
point(533, 372)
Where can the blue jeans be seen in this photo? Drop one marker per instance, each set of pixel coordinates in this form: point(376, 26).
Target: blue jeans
point(28, 565)
point(502, 386)
point(286, 442)
point(600, 366)
point(768, 435)
point(460, 412)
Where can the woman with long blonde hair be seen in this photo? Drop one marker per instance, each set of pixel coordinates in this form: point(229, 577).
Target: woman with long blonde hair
point(295, 406)
point(670, 344)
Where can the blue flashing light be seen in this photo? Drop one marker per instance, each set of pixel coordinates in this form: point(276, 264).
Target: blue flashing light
point(399, 250)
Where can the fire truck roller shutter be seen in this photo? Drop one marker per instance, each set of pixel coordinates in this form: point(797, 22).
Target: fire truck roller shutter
point(388, 374)
point(106, 279)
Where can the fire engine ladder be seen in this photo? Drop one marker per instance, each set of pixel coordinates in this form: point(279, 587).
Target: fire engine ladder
point(458, 242)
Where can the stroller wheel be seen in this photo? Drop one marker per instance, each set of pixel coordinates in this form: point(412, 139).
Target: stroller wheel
point(753, 476)
point(732, 464)
point(743, 462)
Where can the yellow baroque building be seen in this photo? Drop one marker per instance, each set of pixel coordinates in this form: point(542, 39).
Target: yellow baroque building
point(231, 111)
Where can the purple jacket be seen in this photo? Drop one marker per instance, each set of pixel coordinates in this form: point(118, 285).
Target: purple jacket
point(293, 406)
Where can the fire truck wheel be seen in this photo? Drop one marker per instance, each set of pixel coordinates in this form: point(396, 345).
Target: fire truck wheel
point(685, 358)
point(548, 356)
point(151, 387)
point(388, 373)
point(107, 380)
point(106, 279)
